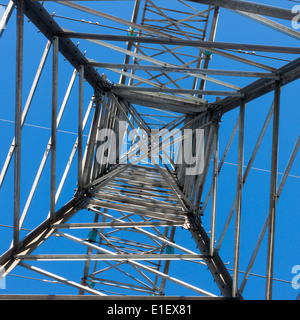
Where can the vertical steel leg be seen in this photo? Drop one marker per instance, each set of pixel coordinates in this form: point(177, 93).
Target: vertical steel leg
point(25, 111)
point(207, 154)
point(167, 265)
point(90, 147)
point(80, 121)
point(214, 189)
point(273, 193)
point(212, 36)
point(265, 226)
point(18, 118)
point(130, 44)
point(54, 126)
point(239, 201)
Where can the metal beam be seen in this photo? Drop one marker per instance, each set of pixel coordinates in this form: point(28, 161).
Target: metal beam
point(163, 101)
point(288, 73)
point(212, 36)
point(72, 155)
point(61, 279)
point(139, 265)
point(252, 7)
point(266, 223)
point(246, 173)
point(45, 23)
point(130, 44)
point(230, 73)
point(214, 188)
point(18, 123)
point(46, 153)
point(166, 142)
point(266, 84)
point(155, 212)
point(273, 192)
point(25, 110)
point(175, 42)
point(245, 6)
point(221, 162)
point(200, 182)
point(161, 63)
point(118, 225)
point(110, 257)
point(168, 176)
point(91, 144)
point(40, 233)
point(80, 126)
point(114, 18)
point(239, 200)
point(117, 89)
point(271, 24)
point(215, 264)
point(55, 49)
point(6, 16)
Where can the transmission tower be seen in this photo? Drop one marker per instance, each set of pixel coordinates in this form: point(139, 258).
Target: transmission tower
point(132, 193)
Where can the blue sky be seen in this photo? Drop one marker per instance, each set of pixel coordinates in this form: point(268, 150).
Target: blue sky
point(36, 132)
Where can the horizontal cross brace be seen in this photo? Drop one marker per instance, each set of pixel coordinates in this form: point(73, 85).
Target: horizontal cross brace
point(180, 42)
point(231, 73)
point(119, 88)
point(111, 257)
point(157, 213)
point(117, 225)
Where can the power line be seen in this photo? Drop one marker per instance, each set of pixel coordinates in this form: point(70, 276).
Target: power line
point(264, 170)
point(74, 133)
point(89, 22)
point(41, 127)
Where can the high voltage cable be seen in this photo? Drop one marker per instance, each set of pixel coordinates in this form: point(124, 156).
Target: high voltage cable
point(74, 133)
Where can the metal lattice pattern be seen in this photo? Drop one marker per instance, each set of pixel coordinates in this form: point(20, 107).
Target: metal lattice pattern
point(149, 149)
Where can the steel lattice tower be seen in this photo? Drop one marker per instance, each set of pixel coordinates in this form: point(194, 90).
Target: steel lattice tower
point(156, 104)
